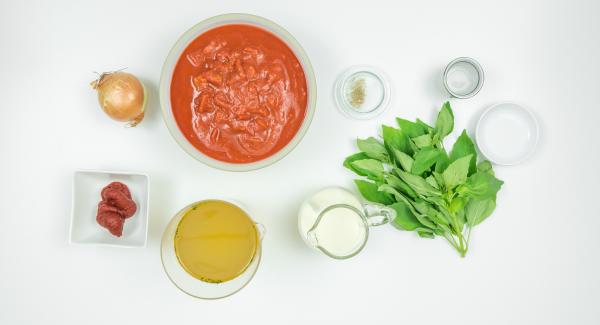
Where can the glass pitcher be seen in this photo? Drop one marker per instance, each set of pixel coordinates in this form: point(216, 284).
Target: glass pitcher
point(335, 222)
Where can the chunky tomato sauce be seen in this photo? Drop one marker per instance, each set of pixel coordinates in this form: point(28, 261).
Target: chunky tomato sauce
point(238, 93)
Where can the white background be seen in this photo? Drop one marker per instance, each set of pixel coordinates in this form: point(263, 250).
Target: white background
point(535, 261)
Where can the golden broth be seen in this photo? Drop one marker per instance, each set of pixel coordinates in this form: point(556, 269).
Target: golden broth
point(215, 241)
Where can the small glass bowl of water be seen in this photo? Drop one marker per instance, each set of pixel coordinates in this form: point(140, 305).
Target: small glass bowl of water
point(463, 77)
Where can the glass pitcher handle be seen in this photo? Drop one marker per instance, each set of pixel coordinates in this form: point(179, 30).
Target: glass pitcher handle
point(378, 214)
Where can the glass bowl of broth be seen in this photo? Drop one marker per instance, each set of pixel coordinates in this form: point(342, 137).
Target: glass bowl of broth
point(211, 249)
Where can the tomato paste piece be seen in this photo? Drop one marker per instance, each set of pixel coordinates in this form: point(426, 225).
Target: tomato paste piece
point(115, 207)
point(111, 221)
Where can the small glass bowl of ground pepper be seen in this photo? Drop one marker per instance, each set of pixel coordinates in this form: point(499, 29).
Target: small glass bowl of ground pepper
point(362, 92)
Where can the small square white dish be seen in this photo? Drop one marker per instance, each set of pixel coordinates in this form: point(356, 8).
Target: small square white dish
point(87, 185)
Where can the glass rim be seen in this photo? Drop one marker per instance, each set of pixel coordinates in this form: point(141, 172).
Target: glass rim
point(341, 101)
point(480, 74)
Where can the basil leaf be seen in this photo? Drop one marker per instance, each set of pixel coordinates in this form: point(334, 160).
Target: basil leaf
point(369, 191)
point(355, 157)
point(439, 179)
point(426, 126)
point(457, 172)
point(371, 167)
point(445, 121)
point(461, 215)
point(418, 184)
point(437, 200)
point(424, 159)
point(481, 186)
point(485, 167)
point(427, 209)
point(478, 210)
point(373, 148)
point(431, 180)
point(405, 161)
point(457, 204)
point(422, 141)
point(411, 129)
point(425, 233)
point(426, 221)
point(440, 231)
point(409, 203)
point(442, 162)
point(413, 147)
point(405, 219)
point(396, 139)
point(400, 185)
point(464, 147)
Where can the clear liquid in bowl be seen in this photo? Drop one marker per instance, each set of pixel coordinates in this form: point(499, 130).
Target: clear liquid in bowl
point(215, 241)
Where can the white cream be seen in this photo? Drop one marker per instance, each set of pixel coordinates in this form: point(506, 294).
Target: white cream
point(341, 231)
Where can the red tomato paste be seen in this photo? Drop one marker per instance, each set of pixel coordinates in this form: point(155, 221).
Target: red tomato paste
point(238, 93)
point(116, 206)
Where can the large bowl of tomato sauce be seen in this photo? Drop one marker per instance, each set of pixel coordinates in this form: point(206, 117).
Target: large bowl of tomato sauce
point(237, 92)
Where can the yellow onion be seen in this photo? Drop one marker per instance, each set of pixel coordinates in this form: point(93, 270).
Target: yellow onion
point(122, 96)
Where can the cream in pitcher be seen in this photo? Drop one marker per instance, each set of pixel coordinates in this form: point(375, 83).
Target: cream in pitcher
point(335, 222)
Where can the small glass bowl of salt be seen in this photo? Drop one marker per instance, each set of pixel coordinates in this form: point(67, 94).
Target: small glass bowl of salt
point(362, 92)
point(463, 77)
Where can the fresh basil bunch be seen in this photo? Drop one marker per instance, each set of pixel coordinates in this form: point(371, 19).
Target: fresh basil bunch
point(432, 192)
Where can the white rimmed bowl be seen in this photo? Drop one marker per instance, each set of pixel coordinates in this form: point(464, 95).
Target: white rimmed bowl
point(507, 133)
point(181, 45)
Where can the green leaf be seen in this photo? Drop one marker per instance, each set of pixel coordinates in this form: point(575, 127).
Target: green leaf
point(427, 209)
point(396, 139)
point(485, 167)
point(457, 204)
point(478, 210)
point(405, 219)
point(369, 191)
point(373, 148)
point(461, 215)
point(431, 180)
point(355, 157)
point(371, 167)
point(464, 147)
point(405, 161)
point(400, 185)
point(418, 184)
point(422, 141)
point(456, 173)
point(409, 203)
point(413, 147)
point(442, 162)
point(424, 159)
point(426, 126)
point(440, 231)
point(481, 186)
point(426, 221)
point(411, 129)
point(445, 121)
point(425, 233)
point(439, 179)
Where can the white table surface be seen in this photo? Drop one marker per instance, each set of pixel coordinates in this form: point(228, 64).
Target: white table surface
point(535, 261)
